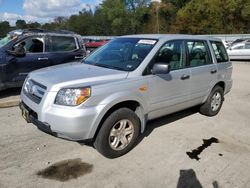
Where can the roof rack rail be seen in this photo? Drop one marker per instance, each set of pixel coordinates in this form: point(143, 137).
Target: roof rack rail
point(66, 31)
point(35, 30)
point(38, 30)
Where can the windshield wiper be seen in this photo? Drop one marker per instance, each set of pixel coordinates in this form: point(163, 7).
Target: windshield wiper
point(109, 66)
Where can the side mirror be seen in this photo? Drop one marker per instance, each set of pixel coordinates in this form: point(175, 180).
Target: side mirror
point(160, 68)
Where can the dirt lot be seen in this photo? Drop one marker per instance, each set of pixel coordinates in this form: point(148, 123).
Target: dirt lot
point(159, 159)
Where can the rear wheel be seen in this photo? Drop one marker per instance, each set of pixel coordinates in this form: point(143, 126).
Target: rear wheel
point(214, 102)
point(118, 133)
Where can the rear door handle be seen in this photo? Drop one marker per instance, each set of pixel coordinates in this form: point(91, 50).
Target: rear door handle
point(42, 58)
point(185, 77)
point(78, 57)
point(213, 71)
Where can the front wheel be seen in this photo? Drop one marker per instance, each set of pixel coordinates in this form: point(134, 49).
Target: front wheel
point(118, 133)
point(214, 102)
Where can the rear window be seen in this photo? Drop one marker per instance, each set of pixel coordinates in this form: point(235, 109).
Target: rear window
point(219, 51)
point(62, 44)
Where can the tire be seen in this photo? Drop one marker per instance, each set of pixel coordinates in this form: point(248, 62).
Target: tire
point(213, 103)
point(118, 133)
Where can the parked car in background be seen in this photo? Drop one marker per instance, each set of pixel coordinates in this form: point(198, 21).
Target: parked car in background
point(226, 43)
point(91, 45)
point(239, 51)
point(240, 40)
point(42, 48)
point(109, 98)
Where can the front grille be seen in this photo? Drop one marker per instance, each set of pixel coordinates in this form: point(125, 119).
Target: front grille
point(34, 90)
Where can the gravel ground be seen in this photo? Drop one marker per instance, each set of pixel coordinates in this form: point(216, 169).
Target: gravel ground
point(31, 158)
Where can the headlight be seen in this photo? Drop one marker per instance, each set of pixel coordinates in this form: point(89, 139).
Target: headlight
point(72, 96)
point(27, 84)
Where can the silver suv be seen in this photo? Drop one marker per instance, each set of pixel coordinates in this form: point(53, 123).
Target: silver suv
point(110, 96)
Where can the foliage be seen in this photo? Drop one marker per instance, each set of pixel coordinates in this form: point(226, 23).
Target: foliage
point(213, 16)
point(120, 17)
point(4, 28)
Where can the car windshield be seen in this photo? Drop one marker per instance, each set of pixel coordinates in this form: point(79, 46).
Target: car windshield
point(5, 40)
point(124, 54)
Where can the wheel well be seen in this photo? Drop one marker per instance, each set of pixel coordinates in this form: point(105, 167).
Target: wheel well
point(132, 105)
point(221, 84)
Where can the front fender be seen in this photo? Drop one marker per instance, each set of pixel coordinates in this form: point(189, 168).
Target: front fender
point(117, 98)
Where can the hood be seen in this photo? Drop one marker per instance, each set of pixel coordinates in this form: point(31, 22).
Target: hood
point(75, 75)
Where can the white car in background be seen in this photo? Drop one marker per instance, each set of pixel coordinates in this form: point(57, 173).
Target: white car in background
point(239, 51)
point(226, 43)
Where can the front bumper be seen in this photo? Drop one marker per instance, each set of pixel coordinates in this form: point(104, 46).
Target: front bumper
point(31, 117)
point(65, 122)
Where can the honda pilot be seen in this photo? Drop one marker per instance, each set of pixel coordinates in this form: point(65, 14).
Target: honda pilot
point(111, 96)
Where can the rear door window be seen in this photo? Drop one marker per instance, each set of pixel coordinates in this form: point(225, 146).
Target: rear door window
point(219, 51)
point(62, 44)
point(198, 53)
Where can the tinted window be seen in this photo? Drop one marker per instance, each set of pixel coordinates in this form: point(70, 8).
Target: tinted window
point(247, 46)
point(171, 53)
point(219, 51)
point(198, 53)
point(62, 44)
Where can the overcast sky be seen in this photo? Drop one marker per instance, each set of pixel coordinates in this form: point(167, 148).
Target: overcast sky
point(41, 10)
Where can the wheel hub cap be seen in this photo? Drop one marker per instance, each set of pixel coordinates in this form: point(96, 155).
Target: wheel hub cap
point(216, 101)
point(121, 134)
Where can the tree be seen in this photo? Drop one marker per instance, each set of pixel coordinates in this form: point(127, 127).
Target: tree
point(82, 23)
point(119, 17)
point(21, 24)
point(4, 28)
point(212, 16)
point(33, 25)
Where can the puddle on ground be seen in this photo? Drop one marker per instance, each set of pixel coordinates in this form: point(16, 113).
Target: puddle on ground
point(194, 154)
point(66, 170)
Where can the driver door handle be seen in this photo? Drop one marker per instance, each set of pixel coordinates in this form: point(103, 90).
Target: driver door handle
point(42, 58)
point(185, 77)
point(213, 71)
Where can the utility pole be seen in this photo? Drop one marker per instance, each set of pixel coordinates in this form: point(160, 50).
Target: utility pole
point(157, 14)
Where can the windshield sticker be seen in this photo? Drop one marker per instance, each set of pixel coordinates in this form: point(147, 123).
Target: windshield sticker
point(151, 42)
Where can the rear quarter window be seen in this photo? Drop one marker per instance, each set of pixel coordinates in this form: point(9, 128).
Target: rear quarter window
point(219, 51)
